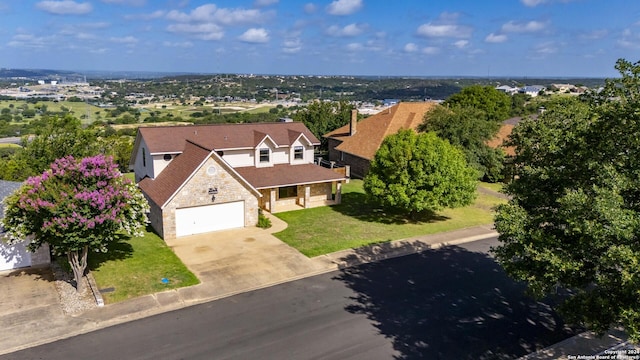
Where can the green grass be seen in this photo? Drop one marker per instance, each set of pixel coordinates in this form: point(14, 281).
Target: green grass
point(9, 146)
point(136, 267)
point(492, 186)
point(355, 223)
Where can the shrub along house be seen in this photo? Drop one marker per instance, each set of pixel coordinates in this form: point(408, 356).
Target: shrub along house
point(204, 178)
point(356, 144)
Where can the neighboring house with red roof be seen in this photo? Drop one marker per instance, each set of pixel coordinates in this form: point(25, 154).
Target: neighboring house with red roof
point(202, 178)
point(356, 144)
point(506, 128)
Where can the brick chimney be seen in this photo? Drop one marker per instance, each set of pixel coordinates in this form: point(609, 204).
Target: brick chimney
point(354, 122)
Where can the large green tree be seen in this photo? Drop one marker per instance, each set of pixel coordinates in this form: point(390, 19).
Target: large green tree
point(75, 207)
point(322, 117)
point(55, 137)
point(417, 173)
point(573, 221)
point(496, 104)
point(470, 129)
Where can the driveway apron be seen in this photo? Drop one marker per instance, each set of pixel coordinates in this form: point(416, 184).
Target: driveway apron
point(238, 260)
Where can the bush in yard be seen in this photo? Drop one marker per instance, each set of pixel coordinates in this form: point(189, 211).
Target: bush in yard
point(76, 206)
point(263, 221)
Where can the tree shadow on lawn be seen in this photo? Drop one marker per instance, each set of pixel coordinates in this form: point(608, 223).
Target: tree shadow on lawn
point(119, 249)
point(359, 206)
point(451, 303)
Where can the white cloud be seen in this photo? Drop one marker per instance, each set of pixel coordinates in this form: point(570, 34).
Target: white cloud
point(532, 3)
point(66, 7)
point(524, 27)
point(126, 2)
point(431, 50)
point(183, 44)
point(124, 40)
point(210, 13)
point(595, 34)
point(31, 41)
point(255, 36)
point(344, 7)
point(444, 30)
point(461, 44)
point(347, 31)
point(263, 3)
point(84, 36)
point(410, 47)
point(355, 47)
point(200, 31)
point(291, 46)
point(154, 15)
point(496, 38)
point(546, 48)
point(310, 8)
point(629, 40)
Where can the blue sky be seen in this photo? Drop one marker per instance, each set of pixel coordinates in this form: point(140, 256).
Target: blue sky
point(524, 38)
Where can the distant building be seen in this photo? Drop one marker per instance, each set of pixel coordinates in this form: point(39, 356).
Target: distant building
point(532, 90)
point(507, 89)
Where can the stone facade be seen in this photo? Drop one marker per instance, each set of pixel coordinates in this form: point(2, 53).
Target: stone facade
point(196, 193)
point(155, 218)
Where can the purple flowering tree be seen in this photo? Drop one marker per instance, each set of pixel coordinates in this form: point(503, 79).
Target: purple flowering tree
point(76, 206)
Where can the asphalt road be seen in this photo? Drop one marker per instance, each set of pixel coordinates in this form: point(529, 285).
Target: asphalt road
point(451, 303)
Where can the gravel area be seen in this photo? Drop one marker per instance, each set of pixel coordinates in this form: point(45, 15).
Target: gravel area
point(71, 301)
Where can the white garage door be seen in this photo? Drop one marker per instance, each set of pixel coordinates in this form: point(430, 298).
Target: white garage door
point(14, 256)
point(202, 219)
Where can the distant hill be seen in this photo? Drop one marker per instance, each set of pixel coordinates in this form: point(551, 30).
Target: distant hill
point(32, 73)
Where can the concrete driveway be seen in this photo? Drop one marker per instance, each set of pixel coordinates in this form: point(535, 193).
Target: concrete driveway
point(233, 261)
point(29, 300)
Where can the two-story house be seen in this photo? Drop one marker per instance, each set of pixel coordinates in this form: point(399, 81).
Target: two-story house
point(202, 178)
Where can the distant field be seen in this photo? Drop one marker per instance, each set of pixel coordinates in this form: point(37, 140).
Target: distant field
point(89, 113)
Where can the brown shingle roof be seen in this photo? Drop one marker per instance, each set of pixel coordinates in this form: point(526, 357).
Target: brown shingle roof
point(371, 131)
point(175, 174)
point(501, 137)
point(286, 175)
point(171, 139)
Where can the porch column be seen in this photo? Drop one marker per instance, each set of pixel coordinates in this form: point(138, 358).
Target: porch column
point(307, 196)
point(338, 192)
point(329, 187)
point(272, 200)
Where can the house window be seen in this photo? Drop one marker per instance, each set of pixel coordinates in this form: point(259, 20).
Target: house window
point(167, 157)
point(144, 158)
point(298, 153)
point(287, 192)
point(264, 155)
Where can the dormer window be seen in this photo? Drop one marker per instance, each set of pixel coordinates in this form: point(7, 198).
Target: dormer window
point(298, 153)
point(264, 155)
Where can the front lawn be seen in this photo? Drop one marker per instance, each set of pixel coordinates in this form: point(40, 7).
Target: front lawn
point(137, 267)
point(356, 223)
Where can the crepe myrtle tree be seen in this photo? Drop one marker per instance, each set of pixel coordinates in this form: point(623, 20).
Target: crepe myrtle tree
point(76, 206)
